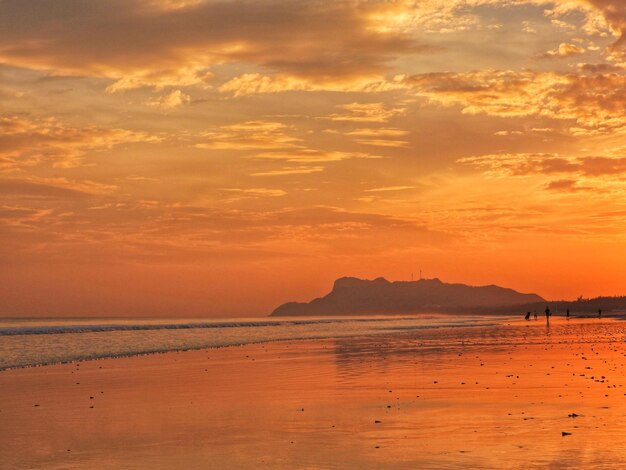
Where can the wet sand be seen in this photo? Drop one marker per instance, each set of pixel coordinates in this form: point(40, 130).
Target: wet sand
point(488, 397)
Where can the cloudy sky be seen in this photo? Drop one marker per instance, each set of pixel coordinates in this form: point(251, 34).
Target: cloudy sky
point(200, 157)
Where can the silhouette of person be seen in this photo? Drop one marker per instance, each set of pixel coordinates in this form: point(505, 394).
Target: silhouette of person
point(548, 314)
point(535, 314)
point(567, 313)
point(599, 313)
point(527, 317)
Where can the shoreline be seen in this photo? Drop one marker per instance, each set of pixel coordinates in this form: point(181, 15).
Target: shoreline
point(505, 320)
point(90, 335)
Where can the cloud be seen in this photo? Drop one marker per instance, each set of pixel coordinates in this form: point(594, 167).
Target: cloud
point(599, 68)
point(457, 16)
point(239, 194)
point(508, 133)
point(271, 142)
point(592, 102)
point(311, 45)
point(494, 92)
point(521, 164)
point(366, 112)
point(27, 142)
point(249, 135)
point(378, 132)
point(175, 43)
point(290, 170)
point(567, 186)
point(563, 50)
point(256, 83)
point(389, 188)
point(383, 143)
point(603, 166)
point(170, 101)
point(159, 79)
point(52, 187)
point(314, 156)
point(380, 137)
point(524, 164)
point(614, 11)
point(527, 27)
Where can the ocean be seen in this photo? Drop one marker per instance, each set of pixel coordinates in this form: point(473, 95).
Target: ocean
point(36, 341)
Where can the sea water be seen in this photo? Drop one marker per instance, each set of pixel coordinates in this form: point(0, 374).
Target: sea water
point(32, 342)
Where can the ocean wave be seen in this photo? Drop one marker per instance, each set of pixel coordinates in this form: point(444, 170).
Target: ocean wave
point(40, 342)
point(99, 328)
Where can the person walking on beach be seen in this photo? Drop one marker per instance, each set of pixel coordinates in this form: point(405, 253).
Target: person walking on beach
point(527, 317)
point(535, 314)
point(599, 313)
point(548, 314)
point(567, 313)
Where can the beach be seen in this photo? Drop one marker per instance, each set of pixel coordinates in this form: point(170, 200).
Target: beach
point(513, 395)
point(312, 234)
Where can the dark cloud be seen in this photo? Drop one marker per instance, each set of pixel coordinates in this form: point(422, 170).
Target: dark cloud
point(303, 38)
point(567, 186)
point(599, 166)
point(615, 13)
point(37, 189)
point(593, 102)
point(599, 68)
point(548, 164)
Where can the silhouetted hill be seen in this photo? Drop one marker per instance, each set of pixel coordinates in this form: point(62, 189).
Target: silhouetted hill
point(352, 296)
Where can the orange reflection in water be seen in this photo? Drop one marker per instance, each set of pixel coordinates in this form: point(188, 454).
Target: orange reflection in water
point(488, 397)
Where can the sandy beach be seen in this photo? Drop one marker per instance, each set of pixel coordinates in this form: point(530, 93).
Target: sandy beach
point(487, 397)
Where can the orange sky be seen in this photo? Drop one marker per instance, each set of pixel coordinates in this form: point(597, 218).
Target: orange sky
point(216, 158)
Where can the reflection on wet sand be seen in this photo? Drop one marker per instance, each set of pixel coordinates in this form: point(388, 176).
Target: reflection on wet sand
point(498, 391)
point(513, 396)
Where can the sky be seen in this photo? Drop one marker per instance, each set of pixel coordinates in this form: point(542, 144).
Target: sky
point(219, 158)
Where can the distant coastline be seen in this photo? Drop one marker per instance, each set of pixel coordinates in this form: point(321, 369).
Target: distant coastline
point(353, 296)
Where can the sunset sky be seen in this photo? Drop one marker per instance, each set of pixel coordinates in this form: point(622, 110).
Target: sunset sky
point(217, 158)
